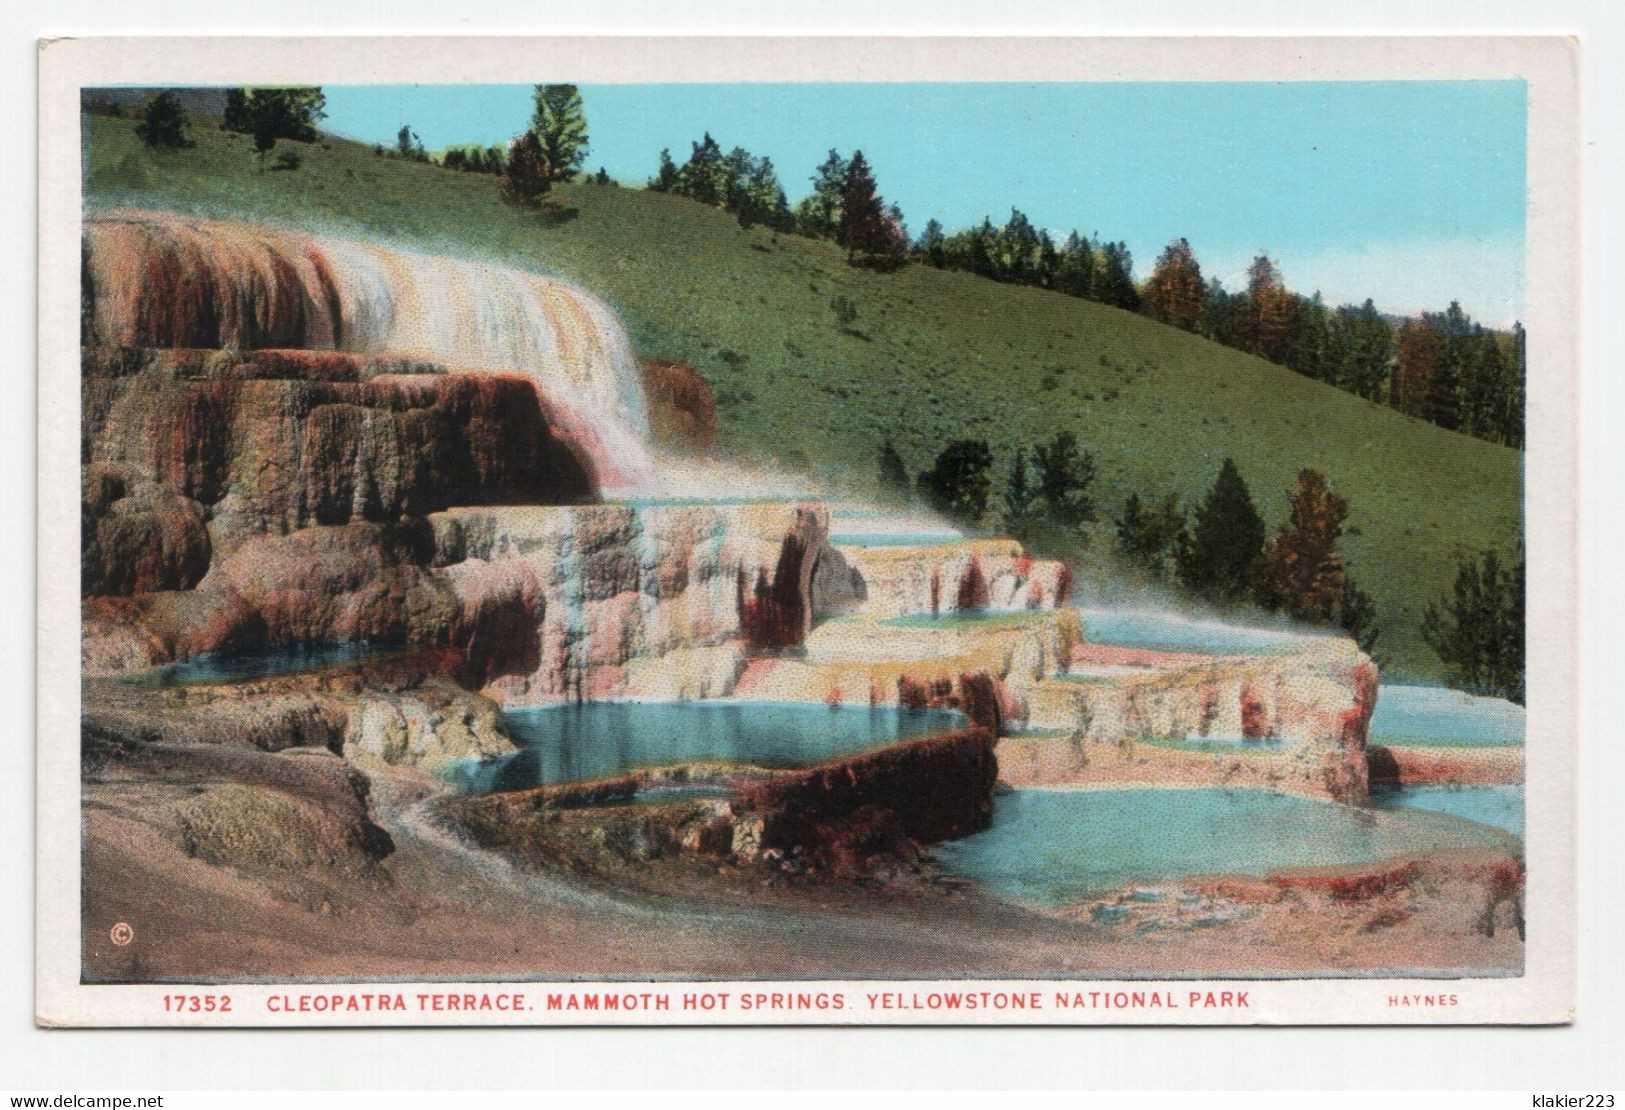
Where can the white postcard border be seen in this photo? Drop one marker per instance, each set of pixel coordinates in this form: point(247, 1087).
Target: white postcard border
point(1543, 994)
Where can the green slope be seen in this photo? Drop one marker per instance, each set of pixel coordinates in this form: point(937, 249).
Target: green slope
point(938, 355)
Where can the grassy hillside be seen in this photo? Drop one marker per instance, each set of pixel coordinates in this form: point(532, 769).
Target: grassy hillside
point(936, 356)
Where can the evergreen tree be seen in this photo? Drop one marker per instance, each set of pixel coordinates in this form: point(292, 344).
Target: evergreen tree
point(1420, 355)
point(1021, 511)
point(1367, 351)
point(164, 122)
point(929, 247)
point(1484, 388)
point(1152, 536)
point(1223, 316)
point(1074, 267)
point(1512, 418)
point(866, 229)
point(820, 213)
point(409, 145)
point(275, 113)
point(704, 177)
point(529, 176)
point(1303, 570)
point(1313, 350)
point(958, 483)
point(1016, 257)
point(665, 178)
point(1222, 561)
point(559, 123)
point(1442, 403)
point(1479, 631)
point(1175, 293)
point(1355, 615)
point(893, 474)
point(759, 199)
point(1114, 281)
point(1064, 478)
point(1272, 313)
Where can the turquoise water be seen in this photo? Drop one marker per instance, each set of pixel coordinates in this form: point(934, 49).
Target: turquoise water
point(1051, 847)
point(1500, 807)
point(957, 618)
point(697, 502)
point(893, 539)
point(568, 743)
point(1216, 745)
point(1160, 631)
point(1429, 716)
point(241, 666)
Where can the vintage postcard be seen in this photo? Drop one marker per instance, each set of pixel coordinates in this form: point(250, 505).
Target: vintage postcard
point(735, 531)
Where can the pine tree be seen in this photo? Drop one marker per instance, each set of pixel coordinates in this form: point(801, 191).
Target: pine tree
point(1303, 570)
point(1175, 293)
point(275, 113)
point(1313, 352)
point(665, 178)
point(929, 247)
point(1223, 316)
point(1272, 311)
point(1064, 478)
point(893, 474)
point(559, 123)
point(1355, 614)
point(1367, 353)
point(1223, 559)
point(1075, 267)
point(164, 122)
point(1478, 632)
point(1017, 254)
point(958, 484)
point(529, 176)
point(1420, 354)
point(866, 229)
point(1512, 408)
point(821, 212)
point(704, 177)
point(1484, 388)
point(1152, 537)
point(1020, 500)
point(1114, 282)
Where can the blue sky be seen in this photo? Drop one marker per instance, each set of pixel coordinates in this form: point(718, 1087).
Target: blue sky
point(1411, 193)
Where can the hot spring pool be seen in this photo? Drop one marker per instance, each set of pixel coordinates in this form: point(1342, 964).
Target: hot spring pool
point(1499, 807)
point(1430, 716)
point(970, 618)
point(1050, 847)
point(893, 539)
point(569, 743)
point(1154, 630)
point(241, 666)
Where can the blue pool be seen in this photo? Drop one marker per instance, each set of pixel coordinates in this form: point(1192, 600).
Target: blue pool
point(241, 666)
point(1430, 716)
point(1050, 847)
point(1157, 630)
point(592, 740)
point(1499, 807)
point(893, 539)
point(968, 618)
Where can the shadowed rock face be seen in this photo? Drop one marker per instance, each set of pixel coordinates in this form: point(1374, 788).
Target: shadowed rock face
point(278, 441)
point(844, 811)
point(838, 817)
